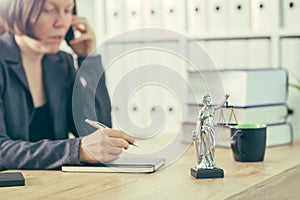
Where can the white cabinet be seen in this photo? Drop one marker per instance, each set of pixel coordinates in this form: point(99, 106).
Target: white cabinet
point(249, 34)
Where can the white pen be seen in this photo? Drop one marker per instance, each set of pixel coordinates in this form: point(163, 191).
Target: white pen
point(99, 125)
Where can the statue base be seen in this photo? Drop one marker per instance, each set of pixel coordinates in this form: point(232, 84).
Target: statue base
point(207, 173)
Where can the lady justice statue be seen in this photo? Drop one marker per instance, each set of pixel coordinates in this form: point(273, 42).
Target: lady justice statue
point(204, 140)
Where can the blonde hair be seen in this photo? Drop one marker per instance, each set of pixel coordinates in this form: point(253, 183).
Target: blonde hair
point(19, 16)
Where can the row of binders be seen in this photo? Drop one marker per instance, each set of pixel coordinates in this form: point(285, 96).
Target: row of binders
point(144, 84)
point(239, 53)
point(201, 16)
point(257, 96)
point(250, 53)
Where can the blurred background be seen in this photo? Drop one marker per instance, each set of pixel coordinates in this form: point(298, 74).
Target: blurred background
point(236, 34)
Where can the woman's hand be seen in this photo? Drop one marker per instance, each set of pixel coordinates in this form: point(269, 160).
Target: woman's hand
point(86, 42)
point(104, 145)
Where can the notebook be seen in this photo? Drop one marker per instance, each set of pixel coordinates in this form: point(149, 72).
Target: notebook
point(121, 165)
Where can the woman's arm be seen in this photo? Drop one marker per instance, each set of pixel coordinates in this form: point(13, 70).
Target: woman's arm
point(20, 154)
point(44, 154)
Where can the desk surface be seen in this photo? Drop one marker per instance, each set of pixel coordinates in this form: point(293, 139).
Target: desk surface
point(278, 176)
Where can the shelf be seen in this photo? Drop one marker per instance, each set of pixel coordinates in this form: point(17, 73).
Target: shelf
point(221, 36)
point(145, 35)
point(164, 36)
point(288, 33)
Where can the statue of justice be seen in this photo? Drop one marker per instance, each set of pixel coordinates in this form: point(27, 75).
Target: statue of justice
point(204, 140)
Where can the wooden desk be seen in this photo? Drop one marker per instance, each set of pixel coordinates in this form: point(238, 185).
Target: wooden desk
point(278, 177)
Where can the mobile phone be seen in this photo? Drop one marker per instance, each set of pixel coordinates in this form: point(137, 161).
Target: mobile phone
point(70, 34)
point(11, 179)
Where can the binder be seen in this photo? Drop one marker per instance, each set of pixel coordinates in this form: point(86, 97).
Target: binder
point(133, 60)
point(239, 15)
point(217, 15)
point(235, 54)
point(258, 53)
point(150, 54)
point(217, 52)
point(113, 64)
point(150, 58)
point(290, 59)
point(114, 69)
point(134, 16)
point(198, 56)
point(173, 111)
point(171, 93)
point(290, 51)
point(115, 17)
point(153, 13)
point(197, 16)
point(199, 87)
point(291, 14)
point(173, 15)
point(263, 12)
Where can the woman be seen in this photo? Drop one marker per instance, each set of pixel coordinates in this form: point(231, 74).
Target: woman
point(36, 82)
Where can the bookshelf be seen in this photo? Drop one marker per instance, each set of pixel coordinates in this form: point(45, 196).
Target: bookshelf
point(235, 33)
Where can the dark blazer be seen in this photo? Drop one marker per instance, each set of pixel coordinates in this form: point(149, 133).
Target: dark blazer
point(17, 109)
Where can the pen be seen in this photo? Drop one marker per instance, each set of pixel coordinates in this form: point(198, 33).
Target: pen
point(99, 125)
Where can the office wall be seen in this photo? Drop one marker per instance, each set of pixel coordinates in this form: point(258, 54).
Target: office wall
point(234, 33)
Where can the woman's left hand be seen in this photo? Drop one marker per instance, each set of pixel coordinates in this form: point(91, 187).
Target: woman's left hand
point(86, 42)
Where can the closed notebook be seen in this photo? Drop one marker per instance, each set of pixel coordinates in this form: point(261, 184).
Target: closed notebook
point(273, 114)
point(121, 165)
point(246, 87)
point(277, 134)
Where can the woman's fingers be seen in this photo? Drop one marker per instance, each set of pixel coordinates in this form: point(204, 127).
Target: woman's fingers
point(119, 134)
point(85, 41)
point(119, 142)
point(104, 145)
